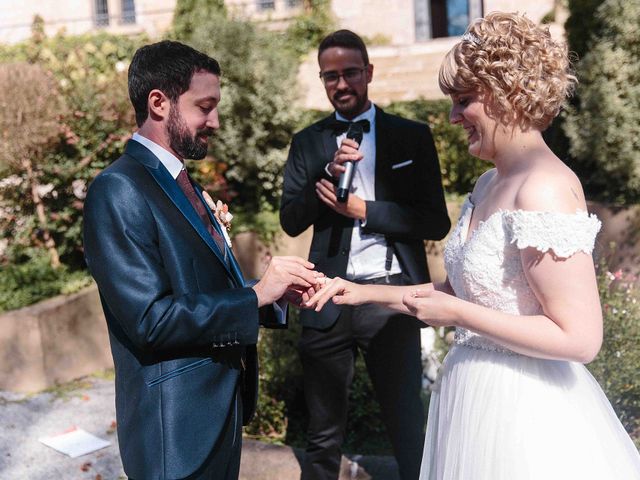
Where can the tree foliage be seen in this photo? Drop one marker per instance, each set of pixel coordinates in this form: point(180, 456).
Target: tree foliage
point(582, 24)
point(87, 76)
point(604, 125)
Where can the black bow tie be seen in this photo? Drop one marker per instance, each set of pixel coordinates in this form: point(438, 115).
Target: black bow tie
point(339, 127)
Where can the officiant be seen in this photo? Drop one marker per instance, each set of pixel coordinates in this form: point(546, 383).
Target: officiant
point(376, 234)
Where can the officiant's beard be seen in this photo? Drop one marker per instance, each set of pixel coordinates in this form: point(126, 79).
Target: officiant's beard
point(182, 141)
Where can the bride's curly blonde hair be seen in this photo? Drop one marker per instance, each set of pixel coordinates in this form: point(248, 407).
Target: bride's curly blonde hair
point(525, 73)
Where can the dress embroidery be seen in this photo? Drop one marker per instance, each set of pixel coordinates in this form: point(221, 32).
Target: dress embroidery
point(486, 268)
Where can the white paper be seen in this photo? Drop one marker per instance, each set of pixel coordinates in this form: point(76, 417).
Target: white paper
point(75, 442)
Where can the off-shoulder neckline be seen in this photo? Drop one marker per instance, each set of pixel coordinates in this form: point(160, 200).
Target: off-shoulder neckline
point(467, 235)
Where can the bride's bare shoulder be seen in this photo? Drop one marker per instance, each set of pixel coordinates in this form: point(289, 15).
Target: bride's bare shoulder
point(551, 186)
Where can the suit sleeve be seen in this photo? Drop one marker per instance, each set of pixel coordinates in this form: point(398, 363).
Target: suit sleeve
point(300, 206)
point(122, 252)
point(425, 216)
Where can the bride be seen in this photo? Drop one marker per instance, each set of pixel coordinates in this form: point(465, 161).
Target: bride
point(514, 400)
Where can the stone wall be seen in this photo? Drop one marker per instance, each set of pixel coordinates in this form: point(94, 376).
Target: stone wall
point(53, 341)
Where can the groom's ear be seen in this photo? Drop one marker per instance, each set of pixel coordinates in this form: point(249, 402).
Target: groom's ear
point(158, 104)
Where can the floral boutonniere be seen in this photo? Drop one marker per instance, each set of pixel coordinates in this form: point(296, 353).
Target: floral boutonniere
point(221, 212)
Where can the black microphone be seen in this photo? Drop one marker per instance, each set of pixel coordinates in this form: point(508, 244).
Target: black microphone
point(355, 133)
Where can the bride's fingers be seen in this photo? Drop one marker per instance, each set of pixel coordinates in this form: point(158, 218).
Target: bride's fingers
point(410, 301)
point(329, 289)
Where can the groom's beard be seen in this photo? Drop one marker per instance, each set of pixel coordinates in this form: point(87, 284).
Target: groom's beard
point(182, 142)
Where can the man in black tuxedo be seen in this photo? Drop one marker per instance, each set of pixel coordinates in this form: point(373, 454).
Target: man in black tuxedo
point(183, 323)
point(377, 235)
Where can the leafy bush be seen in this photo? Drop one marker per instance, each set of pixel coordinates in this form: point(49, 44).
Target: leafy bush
point(616, 366)
point(34, 280)
point(306, 31)
point(90, 79)
point(604, 126)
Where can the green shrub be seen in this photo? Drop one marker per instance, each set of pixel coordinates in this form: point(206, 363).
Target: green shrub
point(307, 30)
point(616, 366)
point(604, 125)
point(35, 279)
point(90, 72)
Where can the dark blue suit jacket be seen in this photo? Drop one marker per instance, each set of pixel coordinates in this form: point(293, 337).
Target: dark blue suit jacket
point(181, 322)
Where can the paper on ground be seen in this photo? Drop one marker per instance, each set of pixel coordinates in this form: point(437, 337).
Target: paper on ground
point(75, 442)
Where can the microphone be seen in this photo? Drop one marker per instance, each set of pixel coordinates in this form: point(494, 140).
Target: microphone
point(355, 133)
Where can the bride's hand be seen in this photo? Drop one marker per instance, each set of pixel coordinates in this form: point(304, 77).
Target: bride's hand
point(341, 291)
point(432, 307)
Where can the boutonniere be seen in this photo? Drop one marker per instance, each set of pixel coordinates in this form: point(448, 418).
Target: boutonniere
point(221, 213)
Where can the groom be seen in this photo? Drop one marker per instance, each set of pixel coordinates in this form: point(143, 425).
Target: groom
point(182, 321)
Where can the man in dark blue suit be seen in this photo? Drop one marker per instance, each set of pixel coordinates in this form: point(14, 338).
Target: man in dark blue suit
point(183, 323)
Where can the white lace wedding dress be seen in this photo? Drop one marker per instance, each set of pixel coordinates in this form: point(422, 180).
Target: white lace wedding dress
point(498, 415)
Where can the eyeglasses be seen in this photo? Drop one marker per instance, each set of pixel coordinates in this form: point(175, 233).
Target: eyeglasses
point(350, 75)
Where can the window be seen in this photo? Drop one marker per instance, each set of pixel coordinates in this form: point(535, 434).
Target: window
point(266, 5)
point(101, 15)
point(444, 18)
point(128, 12)
point(293, 3)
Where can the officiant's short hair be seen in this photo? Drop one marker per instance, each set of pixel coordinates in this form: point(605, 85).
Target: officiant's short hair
point(167, 66)
point(344, 39)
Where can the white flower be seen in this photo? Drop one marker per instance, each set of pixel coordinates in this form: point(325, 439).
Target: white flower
point(10, 181)
point(120, 66)
point(79, 188)
point(44, 190)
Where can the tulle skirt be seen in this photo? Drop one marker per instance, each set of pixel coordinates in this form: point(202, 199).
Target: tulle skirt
point(498, 416)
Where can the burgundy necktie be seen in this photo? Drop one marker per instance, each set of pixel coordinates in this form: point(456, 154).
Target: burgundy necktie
point(187, 187)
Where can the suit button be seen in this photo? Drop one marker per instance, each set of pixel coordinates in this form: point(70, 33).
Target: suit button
point(344, 252)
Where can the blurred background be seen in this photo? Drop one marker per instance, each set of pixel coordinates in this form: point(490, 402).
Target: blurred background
point(65, 115)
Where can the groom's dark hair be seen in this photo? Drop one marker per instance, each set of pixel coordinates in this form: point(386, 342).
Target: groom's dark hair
point(167, 66)
point(344, 39)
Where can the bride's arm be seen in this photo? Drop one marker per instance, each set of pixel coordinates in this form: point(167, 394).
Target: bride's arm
point(570, 327)
point(343, 292)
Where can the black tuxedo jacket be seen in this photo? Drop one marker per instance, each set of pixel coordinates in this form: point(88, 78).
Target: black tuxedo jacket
point(181, 321)
point(408, 209)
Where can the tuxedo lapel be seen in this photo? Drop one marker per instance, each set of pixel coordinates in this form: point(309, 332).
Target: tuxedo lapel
point(328, 139)
point(171, 188)
point(384, 155)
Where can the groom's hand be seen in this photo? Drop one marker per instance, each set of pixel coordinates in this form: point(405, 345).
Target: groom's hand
point(285, 274)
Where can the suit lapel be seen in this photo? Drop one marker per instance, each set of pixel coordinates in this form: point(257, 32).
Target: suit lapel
point(234, 266)
point(328, 139)
point(171, 188)
point(383, 154)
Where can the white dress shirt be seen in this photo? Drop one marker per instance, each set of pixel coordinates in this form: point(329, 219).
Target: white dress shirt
point(368, 252)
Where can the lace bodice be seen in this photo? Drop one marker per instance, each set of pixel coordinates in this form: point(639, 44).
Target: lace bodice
point(485, 267)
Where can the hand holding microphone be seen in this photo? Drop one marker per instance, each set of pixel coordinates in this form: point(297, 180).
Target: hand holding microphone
point(354, 133)
point(342, 167)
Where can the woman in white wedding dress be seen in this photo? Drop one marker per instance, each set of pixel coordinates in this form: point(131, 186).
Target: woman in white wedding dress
point(514, 400)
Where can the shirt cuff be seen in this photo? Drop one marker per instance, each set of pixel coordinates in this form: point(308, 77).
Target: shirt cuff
point(280, 309)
